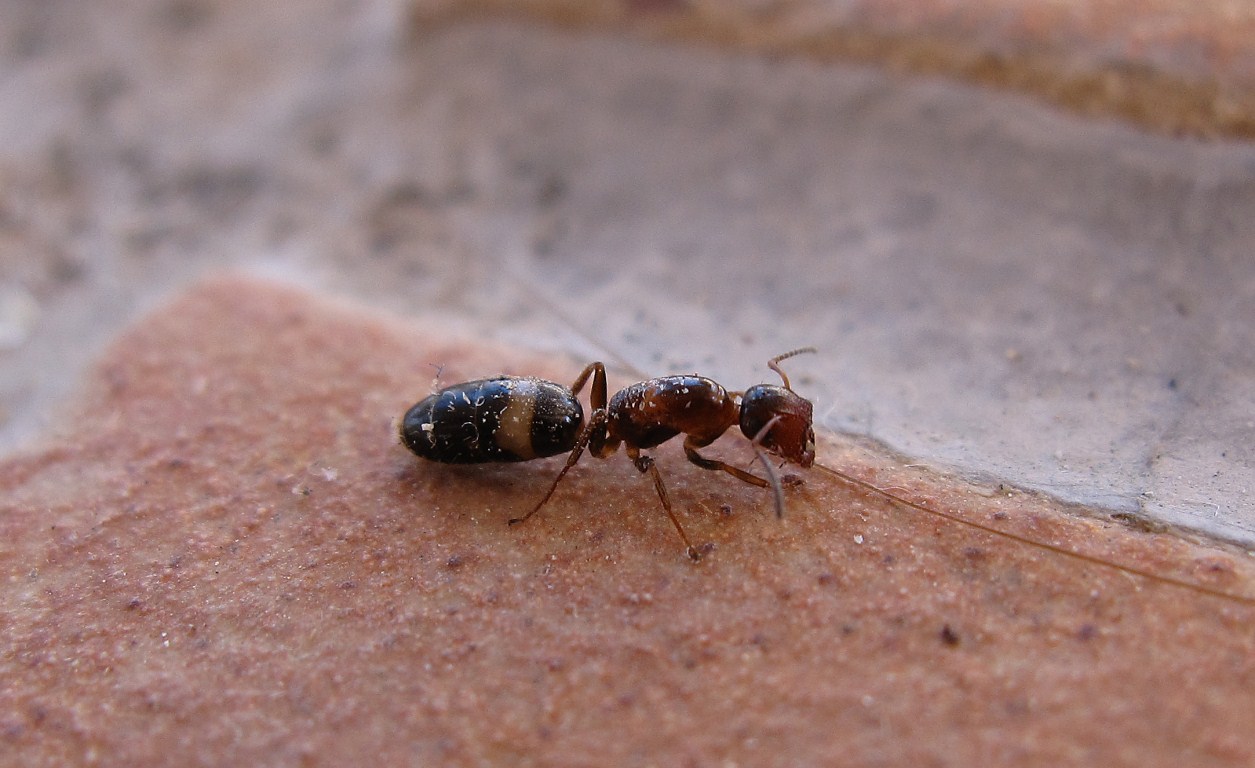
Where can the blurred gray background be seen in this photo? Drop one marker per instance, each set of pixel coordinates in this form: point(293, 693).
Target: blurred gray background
point(994, 287)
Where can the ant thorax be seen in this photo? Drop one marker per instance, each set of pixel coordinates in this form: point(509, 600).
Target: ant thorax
point(651, 412)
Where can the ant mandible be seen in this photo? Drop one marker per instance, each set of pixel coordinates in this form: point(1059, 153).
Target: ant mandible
point(514, 418)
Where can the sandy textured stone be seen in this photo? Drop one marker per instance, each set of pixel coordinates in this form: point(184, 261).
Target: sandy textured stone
point(1180, 66)
point(226, 558)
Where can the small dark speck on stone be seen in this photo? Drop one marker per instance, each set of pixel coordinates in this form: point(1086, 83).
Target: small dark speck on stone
point(655, 6)
point(186, 15)
point(949, 636)
point(455, 561)
point(407, 193)
point(552, 190)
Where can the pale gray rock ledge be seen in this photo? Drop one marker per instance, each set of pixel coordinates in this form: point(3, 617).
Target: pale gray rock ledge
point(994, 287)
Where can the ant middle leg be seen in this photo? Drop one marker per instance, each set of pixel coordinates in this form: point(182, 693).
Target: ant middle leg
point(644, 464)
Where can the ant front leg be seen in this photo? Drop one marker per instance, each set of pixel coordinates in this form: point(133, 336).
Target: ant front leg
point(772, 481)
point(690, 450)
point(646, 464)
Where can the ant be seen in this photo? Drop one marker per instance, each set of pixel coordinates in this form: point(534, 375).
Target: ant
point(513, 418)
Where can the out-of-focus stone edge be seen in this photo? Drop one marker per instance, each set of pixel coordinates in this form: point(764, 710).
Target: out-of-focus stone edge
point(1079, 74)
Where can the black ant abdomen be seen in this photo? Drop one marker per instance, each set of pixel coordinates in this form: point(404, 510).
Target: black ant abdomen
point(509, 418)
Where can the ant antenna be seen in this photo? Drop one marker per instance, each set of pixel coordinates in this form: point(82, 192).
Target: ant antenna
point(1058, 549)
point(772, 362)
point(762, 457)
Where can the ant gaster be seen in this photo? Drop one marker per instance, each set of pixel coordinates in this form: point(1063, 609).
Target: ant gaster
point(511, 418)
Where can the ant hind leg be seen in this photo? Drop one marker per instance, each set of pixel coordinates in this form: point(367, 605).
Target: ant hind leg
point(595, 423)
point(598, 372)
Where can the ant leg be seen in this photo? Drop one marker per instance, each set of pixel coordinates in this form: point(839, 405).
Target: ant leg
point(595, 426)
point(772, 481)
point(594, 431)
point(714, 464)
point(599, 444)
point(599, 381)
point(646, 464)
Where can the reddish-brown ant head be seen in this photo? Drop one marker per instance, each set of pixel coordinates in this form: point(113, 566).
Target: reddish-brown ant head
point(791, 436)
point(779, 419)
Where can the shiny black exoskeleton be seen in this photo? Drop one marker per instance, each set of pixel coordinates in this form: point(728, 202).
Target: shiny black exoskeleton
point(508, 418)
point(515, 419)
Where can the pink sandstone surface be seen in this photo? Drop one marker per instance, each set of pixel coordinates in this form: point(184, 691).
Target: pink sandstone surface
point(225, 557)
